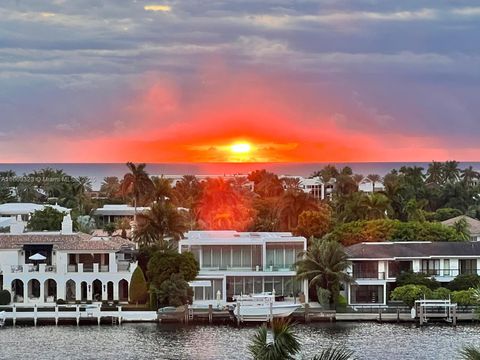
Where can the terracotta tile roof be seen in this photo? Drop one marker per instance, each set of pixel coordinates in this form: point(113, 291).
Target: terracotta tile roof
point(78, 241)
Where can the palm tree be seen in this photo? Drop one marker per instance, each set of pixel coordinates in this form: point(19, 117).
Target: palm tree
point(291, 205)
point(435, 174)
point(160, 222)
point(162, 188)
point(284, 345)
point(138, 183)
point(110, 187)
point(324, 265)
point(414, 209)
point(375, 179)
point(470, 353)
point(451, 171)
point(291, 183)
point(469, 176)
point(375, 206)
point(81, 186)
point(334, 353)
point(358, 178)
point(462, 229)
point(123, 224)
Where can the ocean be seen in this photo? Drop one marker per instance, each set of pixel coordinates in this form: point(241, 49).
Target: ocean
point(97, 171)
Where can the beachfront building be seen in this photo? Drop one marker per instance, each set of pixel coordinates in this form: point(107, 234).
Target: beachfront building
point(114, 212)
point(234, 263)
point(369, 186)
point(43, 267)
point(313, 186)
point(376, 265)
point(473, 225)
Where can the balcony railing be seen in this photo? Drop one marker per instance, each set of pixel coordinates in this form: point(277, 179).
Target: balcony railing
point(441, 272)
point(379, 275)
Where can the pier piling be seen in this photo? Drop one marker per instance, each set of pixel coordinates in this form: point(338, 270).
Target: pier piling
point(210, 313)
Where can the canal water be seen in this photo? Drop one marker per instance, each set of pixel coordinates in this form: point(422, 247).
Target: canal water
point(153, 341)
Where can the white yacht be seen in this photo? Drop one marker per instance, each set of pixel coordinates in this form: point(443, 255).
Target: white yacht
point(261, 307)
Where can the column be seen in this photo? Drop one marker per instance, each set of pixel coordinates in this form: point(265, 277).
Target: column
point(478, 266)
point(416, 266)
point(25, 290)
point(89, 291)
point(104, 291)
point(61, 290)
point(264, 255)
point(322, 186)
point(116, 295)
point(42, 291)
point(454, 267)
point(305, 290)
point(224, 289)
point(78, 290)
point(381, 270)
point(112, 262)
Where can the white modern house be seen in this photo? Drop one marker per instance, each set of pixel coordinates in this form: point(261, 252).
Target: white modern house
point(313, 186)
point(42, 267)
point(234, 263)
point(376, 265)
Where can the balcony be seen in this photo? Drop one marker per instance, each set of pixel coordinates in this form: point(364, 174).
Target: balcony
point(441, 272)
point(376, 275)
point(30, 268)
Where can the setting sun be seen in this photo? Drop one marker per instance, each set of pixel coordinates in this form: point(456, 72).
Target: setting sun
point(241, 148)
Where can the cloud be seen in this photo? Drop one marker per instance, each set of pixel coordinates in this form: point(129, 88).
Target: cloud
point(161, 8)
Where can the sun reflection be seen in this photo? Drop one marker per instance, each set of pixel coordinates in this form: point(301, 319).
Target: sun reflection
point(241, 148)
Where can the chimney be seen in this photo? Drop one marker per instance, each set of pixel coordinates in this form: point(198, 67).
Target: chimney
point(67, 225)
point(17, 226)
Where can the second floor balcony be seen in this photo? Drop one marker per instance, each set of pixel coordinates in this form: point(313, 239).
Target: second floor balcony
point(30, 268)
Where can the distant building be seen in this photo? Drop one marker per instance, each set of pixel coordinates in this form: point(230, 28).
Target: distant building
point(473, 225)
point(368, 186)
point(313, 186)
point(376, 265)
point(25, 210)
point(235, 263)
point(112, 213)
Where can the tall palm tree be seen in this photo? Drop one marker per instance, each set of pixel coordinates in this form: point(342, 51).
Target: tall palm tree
point(81, 186)
point(137, 183)
point(451, 171)
point(284, 345)
point(162, 221)
point(162, 188)
point(375, 206)
point(470, 353)
point(334, 353)
point(291, 183)
point(470, 176)
point(358, 178)
point(110, 187)
point(324, 265)
point(435, 174)
point(375, 179)
point(291, 205)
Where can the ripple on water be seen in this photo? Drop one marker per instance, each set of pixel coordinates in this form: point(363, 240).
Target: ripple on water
point(152, 341)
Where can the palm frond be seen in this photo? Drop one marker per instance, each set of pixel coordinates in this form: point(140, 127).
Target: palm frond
point(334, 353)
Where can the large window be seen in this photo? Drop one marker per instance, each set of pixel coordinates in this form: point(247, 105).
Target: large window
point(468, 266)
point(395, 268)
point(208, 292)
point(431, 267)
point(365, 270)
point(227, 257)
point(282, 256)
point(366, 294)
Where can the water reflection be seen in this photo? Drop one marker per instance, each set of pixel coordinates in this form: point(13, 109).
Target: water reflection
point(151, 341)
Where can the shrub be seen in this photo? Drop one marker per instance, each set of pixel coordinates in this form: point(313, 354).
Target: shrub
point(174, 291)
point(61, 302)
point(411, 278)
point(323, 297)
point(464, 282)
point(5, 297)
point(48, 219)
point(465, 297)
point(138, 287)
point(441, 293)
point(409, 293)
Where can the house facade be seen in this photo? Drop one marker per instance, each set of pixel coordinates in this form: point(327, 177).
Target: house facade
point(235, 263)
point(376, 265)
point(473, 225)
point(41, 268)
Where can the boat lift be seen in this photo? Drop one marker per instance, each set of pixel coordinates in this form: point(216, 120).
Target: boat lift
point(448, 310)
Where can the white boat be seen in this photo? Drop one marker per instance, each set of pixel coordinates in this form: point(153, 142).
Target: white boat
point(262, 307)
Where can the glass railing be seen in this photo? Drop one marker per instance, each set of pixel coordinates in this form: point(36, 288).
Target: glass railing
point(380, 275)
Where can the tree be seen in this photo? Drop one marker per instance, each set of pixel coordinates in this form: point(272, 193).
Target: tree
point(162, 221)
point(47, 219)
point(324, 265)
point(138, 287)
point(223, 207)
point(375, 206)
point(266, 184)
point(435, 174)
point(314, 223)
point(285, 344)
point(329, 172)
point(174, 291)
point(5, 297)
point(291, 205)
point(123, 224)
point(80, 188)
point(470, 353)
point(410, 293)
point(464, 282)
point(412, 278)
point(414, 210)
point(110, 187)
point(334, 353)
point(164, 263)
point(162, 189)
point(110, 228)
point(451, 171)
point(469, 176)
point(375, 179)
point(136, 183)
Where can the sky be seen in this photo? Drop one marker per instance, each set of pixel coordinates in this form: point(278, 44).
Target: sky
point(197, 80)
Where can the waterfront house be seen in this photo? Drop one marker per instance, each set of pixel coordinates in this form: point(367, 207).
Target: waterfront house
point(376, 265)
point(42, 267)
point(473, 225)
point(234, 263)
point(25, 210)
point(368, 186)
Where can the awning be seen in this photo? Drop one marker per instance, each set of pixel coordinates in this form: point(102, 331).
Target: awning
point(200, 283)
point(37, 257)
